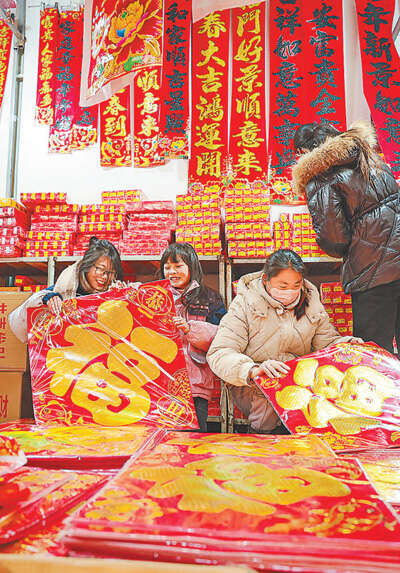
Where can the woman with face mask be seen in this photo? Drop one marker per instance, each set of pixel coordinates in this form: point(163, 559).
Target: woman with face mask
point(276, 316)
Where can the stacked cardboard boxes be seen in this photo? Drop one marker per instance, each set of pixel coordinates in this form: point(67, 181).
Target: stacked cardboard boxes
point(199, 221)
point(247, 221)
point(338, 305)
point(14, 221)
point(13, 358)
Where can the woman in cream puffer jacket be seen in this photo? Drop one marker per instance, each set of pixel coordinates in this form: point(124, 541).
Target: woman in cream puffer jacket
point(259, 333)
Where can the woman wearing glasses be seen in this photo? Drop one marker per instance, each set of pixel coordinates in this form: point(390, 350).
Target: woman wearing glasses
point(99, 267)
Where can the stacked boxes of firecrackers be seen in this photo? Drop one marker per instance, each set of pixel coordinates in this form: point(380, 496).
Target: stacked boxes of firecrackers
point(199, 221)
point(296, 232)
point(338, 305)
point(149, 229)
point(247, 221)
point(14, 222)
point(102, 221)
point(53, 225)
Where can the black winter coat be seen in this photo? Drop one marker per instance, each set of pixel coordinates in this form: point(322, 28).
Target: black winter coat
point(354, 218)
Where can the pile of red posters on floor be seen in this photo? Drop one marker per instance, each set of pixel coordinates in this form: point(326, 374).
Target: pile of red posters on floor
point(12, 456)
point(31, 498)
point(383, 469)
point(183, 503)
point(349, 394)
point(81, 447)
point(112, 359)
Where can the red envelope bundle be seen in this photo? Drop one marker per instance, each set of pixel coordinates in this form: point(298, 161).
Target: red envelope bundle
point(347, 393)
point(37, 496)
point(11, 455)
point(284, 512)
point(81, 447)
point(112, 359)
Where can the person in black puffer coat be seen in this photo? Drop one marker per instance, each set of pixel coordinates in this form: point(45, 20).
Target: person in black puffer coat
point(354, 203)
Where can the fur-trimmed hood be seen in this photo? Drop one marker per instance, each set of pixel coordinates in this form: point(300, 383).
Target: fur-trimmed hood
point(335, 151)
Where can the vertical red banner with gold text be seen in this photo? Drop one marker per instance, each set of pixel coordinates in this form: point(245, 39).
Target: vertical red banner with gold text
point(247, 140)
point(287, 87)
point(210, 75)
point(324, 62)
point(381, 74)
point(5, 49)
point(46, 67)
point(68, 70)
point(174, 116)
point(146, 118)
point(115, 130)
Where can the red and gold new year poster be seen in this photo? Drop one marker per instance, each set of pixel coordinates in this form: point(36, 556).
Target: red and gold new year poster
point(146, 118)
point(47, 66)
point(36, 496)
point(175, 120)
point(120, 37)
point(247, 140)
point(210, 78)
point(115, 130)
point(112, 359)
point(78, 447)
point(234, 506)
point(5, 49)
point(347, 393)
point(381, 74)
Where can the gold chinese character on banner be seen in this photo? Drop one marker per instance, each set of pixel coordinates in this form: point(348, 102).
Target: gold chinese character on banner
point(249, 106)
point(209, 53)
point(249, 47)
point(248, 134)
point(209, 164)
point(115, 126)
point(148, 81)
point(248, 80)
point(149, 124)
point(210, 80)
point(212, 25)
point(149, 103)
point(247, 161)
point(114, 106)
point(208, 135)
point(253, 15)
point(210, 109)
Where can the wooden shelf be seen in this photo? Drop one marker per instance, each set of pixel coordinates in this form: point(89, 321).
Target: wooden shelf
point(23, 265)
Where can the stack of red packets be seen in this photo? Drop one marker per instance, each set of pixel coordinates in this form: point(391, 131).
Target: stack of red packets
point(53, 224)
point(296, 232)
point(14, 221)
point(127, 197)
point(247, 221)
point(199, 221)
point(338, 305)
point(272, 503)
point(149, 229)
point(105, 221)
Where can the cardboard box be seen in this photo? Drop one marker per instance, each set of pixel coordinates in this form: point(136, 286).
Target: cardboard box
point(10, 395)
point(13, 353)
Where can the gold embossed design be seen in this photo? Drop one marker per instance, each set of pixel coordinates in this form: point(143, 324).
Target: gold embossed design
point(364, 390)
point(214, 485)
point(328, 380)
point(305, 372)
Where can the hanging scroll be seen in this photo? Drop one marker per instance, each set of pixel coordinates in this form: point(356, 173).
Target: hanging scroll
point(247, 142)
point(115, 130)
point(120, 37)
point(146, 118)
point(47, 63)
point(175, 122)
point(209, 131)
point(5, 49)
point(381, 74)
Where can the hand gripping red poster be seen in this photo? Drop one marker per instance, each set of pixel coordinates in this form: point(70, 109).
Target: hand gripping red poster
point(112, 359)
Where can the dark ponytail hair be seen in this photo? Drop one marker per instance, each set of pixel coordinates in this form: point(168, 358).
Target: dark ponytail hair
point(312, 135)
point(287, 259)
point(189, 256)
point(99, 248)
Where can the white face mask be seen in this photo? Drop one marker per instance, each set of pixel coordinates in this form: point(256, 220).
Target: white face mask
point(285, 296)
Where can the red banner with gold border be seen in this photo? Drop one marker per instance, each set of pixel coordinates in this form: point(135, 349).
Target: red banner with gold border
point(247, 140)
point(287, 87)
point(5, 49)
point(47, 64)
point(68, 67)
point(175, 121)
point(146, 118)
point(381, 74)
point(210, 69)
point(115, 130)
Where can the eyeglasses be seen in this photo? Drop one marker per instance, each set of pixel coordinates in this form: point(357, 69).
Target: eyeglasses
point(100, 272)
